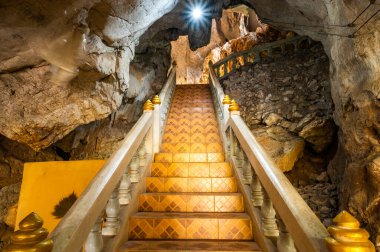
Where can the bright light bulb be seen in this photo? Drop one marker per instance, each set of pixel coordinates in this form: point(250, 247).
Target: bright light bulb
point(197, 13)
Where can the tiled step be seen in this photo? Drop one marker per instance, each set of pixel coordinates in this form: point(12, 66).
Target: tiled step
point(191, 129)
point(193, 246)
point(176, 184)
point(187, 122)
point(208, 109)
point(216, 157)
point(191, 202)
point(192, 115)
point(199, 170)
point(206, 226)
point(194, 147)
point(191, 138)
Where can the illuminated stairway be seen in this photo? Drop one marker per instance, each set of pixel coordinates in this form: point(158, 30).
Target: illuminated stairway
point(191, 201)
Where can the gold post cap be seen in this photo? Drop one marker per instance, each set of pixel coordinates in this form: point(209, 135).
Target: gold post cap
point(156, 100)
point(347, 236)
point(31, 222)
point(148, 105)
point(234, 106)
point(345, 219)
point(226, 100)
point(31, 236)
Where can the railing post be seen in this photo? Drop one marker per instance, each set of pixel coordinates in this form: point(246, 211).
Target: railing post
point(233, 109)
point(247, 171)
point(240, 162)
point(112, 223)
point(156, 124)
point(135, 169)
point(142, 154)
point(285, 241)
point(269, 217)
point(257, 191)
point(148, 108)
point(226, 104)
point(125, 189)
point(94, 242)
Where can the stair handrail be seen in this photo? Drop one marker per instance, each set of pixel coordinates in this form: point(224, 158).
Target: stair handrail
point(253, 55)
point(96, 213)
point(271, 193)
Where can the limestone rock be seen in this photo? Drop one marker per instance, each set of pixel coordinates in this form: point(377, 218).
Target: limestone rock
point(8, 197)
point(273, 119)
point(319, 133)
point(284, 148)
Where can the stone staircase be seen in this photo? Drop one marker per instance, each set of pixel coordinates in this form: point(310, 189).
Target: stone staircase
point(192, 201)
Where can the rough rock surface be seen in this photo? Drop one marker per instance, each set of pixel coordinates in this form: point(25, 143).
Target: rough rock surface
point(284, 148)
point(88, 74)
point(32, 33)
point(291, 91)
point(286, 102)
point(355, 78)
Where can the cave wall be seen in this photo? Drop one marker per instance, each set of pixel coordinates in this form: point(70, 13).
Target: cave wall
point(66, 64)
point(355, 78)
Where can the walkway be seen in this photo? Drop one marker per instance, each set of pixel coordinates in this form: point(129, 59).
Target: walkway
point(191, 201)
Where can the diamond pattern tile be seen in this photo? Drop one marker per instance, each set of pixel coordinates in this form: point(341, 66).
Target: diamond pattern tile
point(206, 226)
point(202, 229)
point(169, 229)
point(191, 194)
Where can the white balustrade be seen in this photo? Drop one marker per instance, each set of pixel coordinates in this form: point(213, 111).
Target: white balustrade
point(269, 217)
point(125, 189)
point(142, 154)
point(135, 169)
point(94, 242)
point(112, 221)
point(285, 242)
point(257, 191)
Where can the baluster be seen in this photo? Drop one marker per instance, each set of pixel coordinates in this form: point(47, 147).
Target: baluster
point(112, 223)
point(257, 191)
point(94, 242)
point(125, 189)
point(232, 143)
point(239, 157)
point(135, 169)
point(285, 241)
point(247, 171)
point(269, 217)
point(142, 154)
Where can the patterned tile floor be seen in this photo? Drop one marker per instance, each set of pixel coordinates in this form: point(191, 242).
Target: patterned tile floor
point(191, 194)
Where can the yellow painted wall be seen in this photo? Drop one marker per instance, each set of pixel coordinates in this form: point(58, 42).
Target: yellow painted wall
point(44, 184)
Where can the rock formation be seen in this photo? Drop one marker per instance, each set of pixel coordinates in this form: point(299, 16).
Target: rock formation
point(355, 77)
point(65, 64)
point(286, 102)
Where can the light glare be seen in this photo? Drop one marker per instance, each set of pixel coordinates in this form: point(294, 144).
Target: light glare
point(197, 12)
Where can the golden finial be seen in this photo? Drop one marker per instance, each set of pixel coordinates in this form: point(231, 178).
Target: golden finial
point(233, 106)
point(156, 100)
point(347, 236)
point(148, 105)
point(31, 236)
point(226, 100)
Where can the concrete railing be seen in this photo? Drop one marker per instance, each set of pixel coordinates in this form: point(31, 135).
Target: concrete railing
point(282, 221)
point(97, 219)
point(231, 63)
